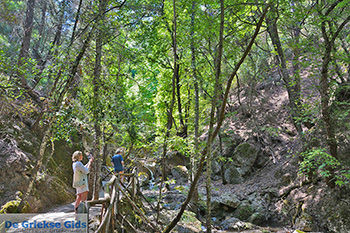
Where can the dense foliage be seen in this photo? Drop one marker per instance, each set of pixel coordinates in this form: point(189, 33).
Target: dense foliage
point(143, 74)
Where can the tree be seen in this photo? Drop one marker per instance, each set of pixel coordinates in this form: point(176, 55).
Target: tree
point(292, 84)
point(221, 117)
point(329, 38)
point(96, 82)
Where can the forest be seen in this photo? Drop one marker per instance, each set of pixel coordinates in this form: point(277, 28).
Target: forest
point(233, 115)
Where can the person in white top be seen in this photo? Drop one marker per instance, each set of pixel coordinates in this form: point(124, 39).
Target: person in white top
point(80, 178)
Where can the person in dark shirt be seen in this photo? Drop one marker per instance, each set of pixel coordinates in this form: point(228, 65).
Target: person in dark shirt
point(118, 163)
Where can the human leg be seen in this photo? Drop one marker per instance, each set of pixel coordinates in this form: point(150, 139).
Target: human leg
point(80, 198)
point(77, 201)
point(121, 176)
point(84, 196)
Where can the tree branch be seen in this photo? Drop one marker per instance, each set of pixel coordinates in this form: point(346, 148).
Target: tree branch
point(173, 223)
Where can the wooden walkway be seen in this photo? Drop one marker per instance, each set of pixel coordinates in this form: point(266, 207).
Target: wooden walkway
point(104, 214)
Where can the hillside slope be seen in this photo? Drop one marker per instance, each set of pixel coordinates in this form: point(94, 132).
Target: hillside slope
point(269, 191)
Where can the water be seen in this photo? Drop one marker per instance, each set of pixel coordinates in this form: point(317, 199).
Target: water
point(151, 181)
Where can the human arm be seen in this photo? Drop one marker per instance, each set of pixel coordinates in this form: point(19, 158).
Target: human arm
point(88, 165)
point(78, 166)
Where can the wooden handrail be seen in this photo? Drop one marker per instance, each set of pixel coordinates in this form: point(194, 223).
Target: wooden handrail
point(107, 215)
point(142, 215)
point(117, 187)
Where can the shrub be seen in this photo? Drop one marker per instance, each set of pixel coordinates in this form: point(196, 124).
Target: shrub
point(317, 162)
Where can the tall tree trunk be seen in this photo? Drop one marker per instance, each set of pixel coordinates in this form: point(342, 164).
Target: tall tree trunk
point(215, 107)
point(169, 121)
point(196, 99)
point(183, 128)
point(58, 35)
point(54, 45)
point(329, 39)
point(24, 52)
point(292, 86)
point(173, 223)
point(47, 132)
point(96, 82)
point(195, 79)
point(324, 91)
point(28, 27)
point(41, 29)
point(75, 23)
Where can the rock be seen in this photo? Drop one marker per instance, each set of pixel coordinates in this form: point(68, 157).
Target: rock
point(257, 218)
point(175, 158)
point(180, 174)
point(223, 204)
point(244, 158)
point(215, 167)
point(13, 170)
point(188, 223)
point(230, 141)
point(228, 199)
point(236, 225)
point(262, 159)
point(339, 220)
point(232, 175)
point(286, 179)
point(173, 199)
point(229, 224)
point(244, 211)
point(304, 222)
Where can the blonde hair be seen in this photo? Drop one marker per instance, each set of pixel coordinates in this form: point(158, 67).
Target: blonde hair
point(76, 155)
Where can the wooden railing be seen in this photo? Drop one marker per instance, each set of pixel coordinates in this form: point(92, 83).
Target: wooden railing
point(114, 191)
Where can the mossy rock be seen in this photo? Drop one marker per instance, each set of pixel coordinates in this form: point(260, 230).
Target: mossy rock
point(244, 211)
point(244, 158)
point(180, 174)
point(236, 225)
point(188, 222)
point(245, 151)
point(305, 222)
point(232, 175)
point(257, 218)
point(12, 207)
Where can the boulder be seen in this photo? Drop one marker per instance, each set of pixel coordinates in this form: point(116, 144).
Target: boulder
point(188, 223)
point(244, 158)
point(227, 199)
point(234, 224)
point(230, 141)
point(180, 174)
point(232, 175)
point(257, 218)
point(14, 170)
point(222, 204)
point(173, 199)
point(215, 167)
point(244, 211)
point(304, 222)
point(175, 158)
